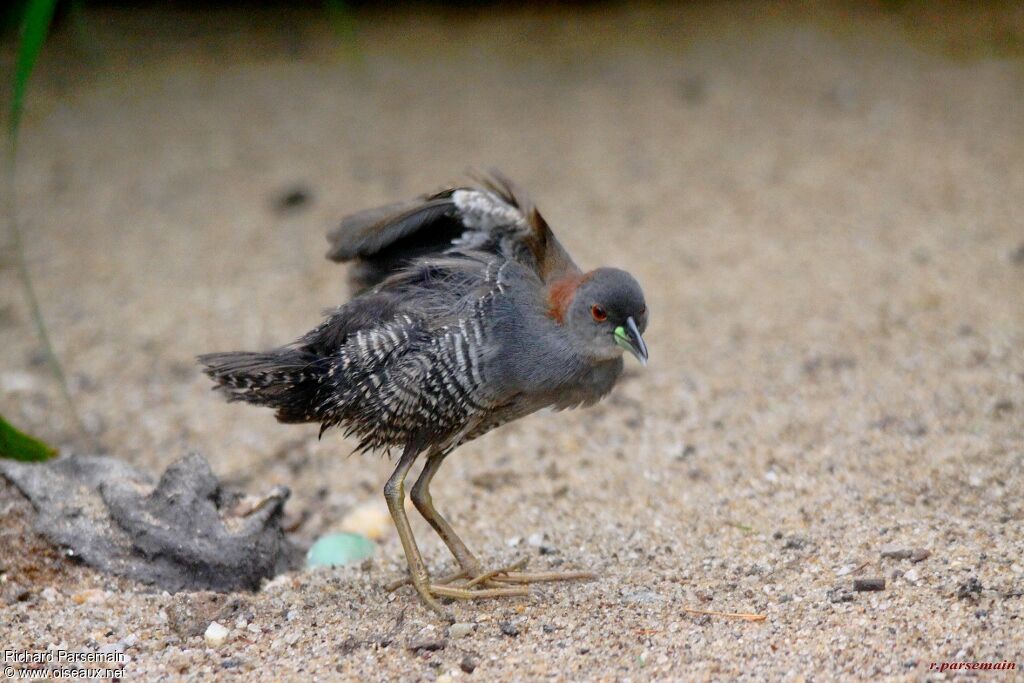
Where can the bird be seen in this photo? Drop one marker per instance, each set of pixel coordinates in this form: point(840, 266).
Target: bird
point(467, 313)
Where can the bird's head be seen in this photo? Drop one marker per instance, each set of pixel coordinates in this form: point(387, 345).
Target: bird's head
point(605, 308)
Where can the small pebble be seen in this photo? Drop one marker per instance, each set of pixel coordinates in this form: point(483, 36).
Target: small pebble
point(215, 635)
point(644, 597)
point(292, 199)
point(468, 664)
point(911, 575)
point(872, 584)
point(335, 550)
point(535, 540)
point(509, 629)
point(371, 519)
point(893, 552)
point(427, 640)
point(93, 596)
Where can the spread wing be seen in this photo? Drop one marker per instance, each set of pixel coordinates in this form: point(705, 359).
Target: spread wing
point(494, 216)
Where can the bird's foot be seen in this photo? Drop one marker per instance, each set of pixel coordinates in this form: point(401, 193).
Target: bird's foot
point(493, 583)
point(429, 592)
point(514, 574)
point(461, 593)
point(543, 577)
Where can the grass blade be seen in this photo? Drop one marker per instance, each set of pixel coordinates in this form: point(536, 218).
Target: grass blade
point(17, 445)
point(35, 26)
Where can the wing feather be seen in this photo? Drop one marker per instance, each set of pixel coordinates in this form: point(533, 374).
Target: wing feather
point(495, 217)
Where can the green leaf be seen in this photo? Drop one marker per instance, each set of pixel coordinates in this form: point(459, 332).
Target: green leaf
point(34, 27)
point(17, 445)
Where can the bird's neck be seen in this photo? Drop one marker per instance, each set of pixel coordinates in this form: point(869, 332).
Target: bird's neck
point(561, 293)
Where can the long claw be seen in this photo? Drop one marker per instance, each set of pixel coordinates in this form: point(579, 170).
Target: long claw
point(542, 577)
point(478, 593)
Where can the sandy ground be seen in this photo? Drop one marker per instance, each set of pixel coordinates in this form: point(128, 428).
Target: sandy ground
point(826, 215)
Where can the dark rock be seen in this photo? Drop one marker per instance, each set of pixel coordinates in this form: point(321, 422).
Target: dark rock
point(468, 664)
point(509, 629)
point(178, 535)
point(16, 593)
point(971, 588)
point(872, 584)
point(1002, 407)
point(293, 199)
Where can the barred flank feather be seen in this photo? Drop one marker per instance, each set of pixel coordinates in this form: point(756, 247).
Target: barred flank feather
point(287, 380)
point(387, 376)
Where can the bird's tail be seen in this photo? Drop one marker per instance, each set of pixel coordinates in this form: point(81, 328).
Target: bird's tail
point(288, 380)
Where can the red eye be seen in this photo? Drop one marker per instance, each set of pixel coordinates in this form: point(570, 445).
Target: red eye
point(600, 315)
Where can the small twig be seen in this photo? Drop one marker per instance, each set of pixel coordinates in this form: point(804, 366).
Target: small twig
point(730, 615)
point(859, 569)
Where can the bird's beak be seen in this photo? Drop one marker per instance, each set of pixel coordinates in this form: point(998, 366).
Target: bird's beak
point(628, 337)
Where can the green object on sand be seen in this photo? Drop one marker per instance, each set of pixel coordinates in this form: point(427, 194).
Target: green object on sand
point(335, 550)
point(17, 445)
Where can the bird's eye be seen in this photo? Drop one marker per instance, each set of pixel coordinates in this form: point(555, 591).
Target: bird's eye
point(600, 315)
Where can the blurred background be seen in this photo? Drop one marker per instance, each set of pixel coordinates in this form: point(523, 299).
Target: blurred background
point(823, 201)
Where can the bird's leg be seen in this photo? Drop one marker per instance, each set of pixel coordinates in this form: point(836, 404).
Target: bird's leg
point(394, 493)
point(423, 501)
point(471, 568)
